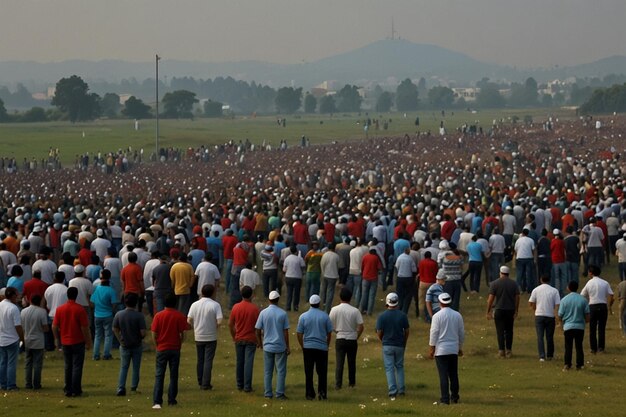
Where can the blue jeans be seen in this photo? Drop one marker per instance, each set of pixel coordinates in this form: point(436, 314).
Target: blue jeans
point(354, 285)
point(328, 292)
point(163, 358)
point(245, 363)
point(32, 368)
point(545, 326)
point(159, 300)
point(103, 331)
point(368, 295)
point(271, 360)
point(128, 355)
point(525, 274)
point(559, 277)
point(393, 359)
point(312, 284)
point(573, 268)
point(205, 353)
point(8, 365)
point(228, 264)
point(621, 267)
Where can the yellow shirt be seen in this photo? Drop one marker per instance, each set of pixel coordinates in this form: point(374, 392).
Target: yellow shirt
point(182, 277)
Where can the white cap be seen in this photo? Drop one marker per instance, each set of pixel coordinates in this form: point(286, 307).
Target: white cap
point(444, 298)
point(315, 299)
point(274, 295)
point(392, 299)
point(504, 269)
point(556, 232)
point(100, 232)
point(79, 269)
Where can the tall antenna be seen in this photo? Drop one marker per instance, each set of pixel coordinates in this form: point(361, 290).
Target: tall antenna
point(393, 30)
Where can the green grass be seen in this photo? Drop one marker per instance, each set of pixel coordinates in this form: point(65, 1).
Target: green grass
point(34, 139)
point(519, 386)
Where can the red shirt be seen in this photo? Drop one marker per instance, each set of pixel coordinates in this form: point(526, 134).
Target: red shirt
point(84, 256)
point(132, 278)
point(244, 316)
point(33, 287)
point(70, 318)
point(557, 251)
point(201, 243)
point(168, 326)
point(300, 234)
point(240, 256)
point(370, 265)
point(428, 269)
point(229, 243)
point(447, 229)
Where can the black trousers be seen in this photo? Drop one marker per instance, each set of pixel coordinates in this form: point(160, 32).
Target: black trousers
point(316, 359)
point(343, 348)
point(504, 328)
point(574, 336)
point(597, 326)
point(74, 357)
point(448, 368)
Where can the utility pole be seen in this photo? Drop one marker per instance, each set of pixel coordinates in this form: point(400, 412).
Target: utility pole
point(157, 108)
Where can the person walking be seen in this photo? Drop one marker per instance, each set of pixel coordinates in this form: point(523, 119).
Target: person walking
point(347, 323)
point(504, 299)
point(293, 267)
point(329, 265)
point(314, 332)
point(104, 301)
point(447, 333)
point(544, 301)
point(11, 334)
point(129, 327)
point(371, 266)
point(35, 326)
point(405, 285)
point(599, 294)
point(573, 314)
point(272, 333)
point(392, 328)
point(243, 317)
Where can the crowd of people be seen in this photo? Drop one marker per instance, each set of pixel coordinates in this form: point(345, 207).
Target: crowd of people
point(82, 253)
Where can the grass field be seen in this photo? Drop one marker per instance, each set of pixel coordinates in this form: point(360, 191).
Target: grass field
point(520, 386)
point(34, 139)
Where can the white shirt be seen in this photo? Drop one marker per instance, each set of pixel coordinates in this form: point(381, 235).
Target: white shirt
point(292, 267)
point(207, 273)
point(497, 243)
point(68, 270)
point(546, 299)
point(101, 247)
point(447, 332)
point(330, 265)
point(205, 315)
point(55, 295)
point(147, 273)
point(356, 256)
point(620, 247)
point(346, 320)
point(250, 278)
point(9, 318)
point(47, 268)
point(524, 248)
point(85, 289)
point(597, 291)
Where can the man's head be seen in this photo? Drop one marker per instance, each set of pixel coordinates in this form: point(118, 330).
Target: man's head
point(391, 300)
point(10, 294)
point(315, 301)
point(59, 277)
point(594, 270)
point(132, 257)
point(345, 295)
point(105, 277)
point(572, 286)
point(545, 279)
point(504, 271)
point(72, 293)
point(444, 299)
point(170, 300)
point(131, 299)
point(208, 290)
point(246, 292)
point(274, 297)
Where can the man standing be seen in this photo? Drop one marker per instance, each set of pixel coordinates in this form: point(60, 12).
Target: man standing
point(504, 298)
point(243, 317)
point(104, 301)
point(392, 328)
point(405, 286)
point(205, 315)
point(574, 313)
point(129, 326)
point(599, 294)
point(525, 252)
point(545, 300)
point(432, 295)
point(348, 325)
point(314, 333)
point(330, 274)
point(182, 277)
point(168, 330)
point(292, 267)
point(272, 333)
point(371, 266)
point(11, 334)
point(71, 330)
point(427, 273)
point(447, 334)
point(35, 325)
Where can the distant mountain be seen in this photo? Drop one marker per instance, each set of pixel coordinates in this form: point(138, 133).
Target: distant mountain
point(376, 62)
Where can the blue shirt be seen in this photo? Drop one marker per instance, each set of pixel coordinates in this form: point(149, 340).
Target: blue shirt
point(405, 266)
point(572, 311)
point(475, 251)
point(103, 299)
point(315, 326)
point(17, 283)
point(273, 321)
point(477, 223)
point(399, 246)
point(432, 295)
point(197, 255)
point(392, 323)
point(93, 272)
point(214, 244)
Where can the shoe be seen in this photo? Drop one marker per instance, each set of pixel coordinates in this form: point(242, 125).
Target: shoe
point(509, 354)
point(108, 358)
point(121, 392)
point(542, 360)
point(172, 403)
point(209, 388)
point(28, 386)
point(282, 397)
point(156, 407)
point(96, 358)
point(309, 398)
point(322, 397)
point(248, 390)
point(456, 400)
point(580, 368)
point(566, 368)
point(500, 354)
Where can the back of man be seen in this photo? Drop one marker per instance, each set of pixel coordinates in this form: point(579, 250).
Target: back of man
point(544, 300)
point(574, 314)
point(34, 323)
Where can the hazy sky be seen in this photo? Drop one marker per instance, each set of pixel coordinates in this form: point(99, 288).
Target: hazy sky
point(525, 33)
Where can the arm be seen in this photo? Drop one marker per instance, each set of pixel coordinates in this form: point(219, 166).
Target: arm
point(490, 301)
point(20, 332)
point(259, 338)
point(86, 336)
point(431, 352)
point(55, 333)
point(286, 336)
point(380, 334)
point(328, 338)
point(532, 305)
point(359, 331)
point(231, 327)
point(516, 305)
point(300, 339)
point(429, 307)
point(118, 333)
point(406, 336)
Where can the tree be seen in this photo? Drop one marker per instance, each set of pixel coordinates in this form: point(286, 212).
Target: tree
point(606, 100)
point(327, 105)
point(179, 104)
point(72, 97)
point(384, 102)
point(288, 100)
point(310, 103)
point(3, 112)
point(110, 105)
point(489, 97)
point(213, 108)
point(406, 96)
point(441, 97)
point(349, 99)
point(524, 95)
point(135, 108)
point(36, 114)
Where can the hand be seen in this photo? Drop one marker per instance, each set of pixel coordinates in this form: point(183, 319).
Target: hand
point(288, 351)
point(431, 355)
point(489, 316)
point(515, 315)
point(460, 352)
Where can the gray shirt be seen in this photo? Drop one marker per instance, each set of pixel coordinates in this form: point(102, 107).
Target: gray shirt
point(33, 320)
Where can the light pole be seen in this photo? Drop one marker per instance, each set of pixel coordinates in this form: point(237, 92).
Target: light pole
point(157, 108)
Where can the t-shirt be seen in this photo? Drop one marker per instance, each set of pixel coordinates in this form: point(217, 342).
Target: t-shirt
point(207, 274)
point(505, 290)
point(9, 318)
point(524, 247)
point(132, 278)
point(621, 290)
point(182, 277)
point(393, 323)
point(345, 320)
point(428, 270)
point(71, 318)
point(475, 251)
point(205, 315)
point(293, 266)
point(447, 332)
point(85, 288)
point(244, 316)
point(161, 278)
point(405, 265)
point(597, 291)
point(273, 321)
point(249, 278)
point(620, 249)
point(572, 311)
point(130, 322)
point(546, 299)
point(314, 325)
point(55, 295)
point(34, 287)
point(432, 295)
point(370, 265)
point(572, 249)
point(47, 268)
point(33, 320)
point(168, 325)
point(557, 251)
point(103, 299)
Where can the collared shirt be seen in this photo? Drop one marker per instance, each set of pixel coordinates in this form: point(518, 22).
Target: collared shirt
point(597, 291)
point(315, 326)
point(346, 320)
point(244, 316)
point(447, 332)
point(546, 299)
point(273, 321)
point(205, 315)
point(71, 318)
point(406, 266)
